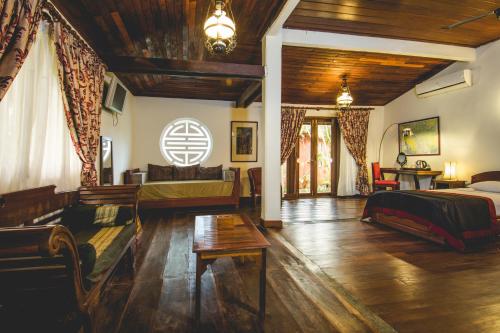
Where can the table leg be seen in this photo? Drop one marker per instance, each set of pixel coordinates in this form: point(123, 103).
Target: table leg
point(199, 272)
point(417, 182)
point(433, 183)
point(262, 295)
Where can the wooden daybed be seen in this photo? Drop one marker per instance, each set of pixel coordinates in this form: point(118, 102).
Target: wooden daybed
point(164, 201)
point(41, 266)
point(413, 226)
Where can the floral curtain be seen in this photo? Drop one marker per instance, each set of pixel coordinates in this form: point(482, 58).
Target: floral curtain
point(19, 23)
point(81, 75)
point(354, 129)
point(291, 122)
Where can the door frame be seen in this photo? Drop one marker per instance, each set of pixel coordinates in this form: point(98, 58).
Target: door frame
point(293, 171)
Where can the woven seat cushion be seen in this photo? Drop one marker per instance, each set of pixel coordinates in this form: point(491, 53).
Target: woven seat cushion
point(386, 182)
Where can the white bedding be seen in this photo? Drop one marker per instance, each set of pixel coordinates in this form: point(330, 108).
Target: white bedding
point(470, 191)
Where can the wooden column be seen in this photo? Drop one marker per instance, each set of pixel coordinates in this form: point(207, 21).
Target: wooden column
point(271, 102)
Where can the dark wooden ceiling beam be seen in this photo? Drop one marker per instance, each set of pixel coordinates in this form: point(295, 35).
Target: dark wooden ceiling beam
point(81, 20)
point(186, 68)
point(250, 95)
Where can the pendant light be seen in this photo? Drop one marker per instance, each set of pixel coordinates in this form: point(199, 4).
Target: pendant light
point(344, 97)
point(220, 29)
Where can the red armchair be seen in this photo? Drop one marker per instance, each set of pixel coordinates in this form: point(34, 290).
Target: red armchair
point(379, 183)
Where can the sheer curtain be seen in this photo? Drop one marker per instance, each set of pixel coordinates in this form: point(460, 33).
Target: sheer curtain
point(35, 145)
point(348, 170)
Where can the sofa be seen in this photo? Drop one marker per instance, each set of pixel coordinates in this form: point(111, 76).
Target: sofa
point(193, 186)
point(59, 250)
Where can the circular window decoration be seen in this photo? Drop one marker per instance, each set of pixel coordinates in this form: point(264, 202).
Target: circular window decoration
point(186, 142)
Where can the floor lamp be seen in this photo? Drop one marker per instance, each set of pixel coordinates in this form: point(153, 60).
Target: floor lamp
point(406, 132)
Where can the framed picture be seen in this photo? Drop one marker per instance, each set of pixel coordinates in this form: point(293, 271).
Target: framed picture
point(244, 145)
point(420, 137)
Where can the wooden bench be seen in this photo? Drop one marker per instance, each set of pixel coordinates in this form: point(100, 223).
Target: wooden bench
point(39, 257)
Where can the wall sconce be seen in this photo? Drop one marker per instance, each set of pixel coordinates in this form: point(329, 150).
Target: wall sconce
point(450, 170)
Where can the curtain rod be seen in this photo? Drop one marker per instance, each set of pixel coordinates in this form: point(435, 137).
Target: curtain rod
point(331, 108)
point(55, 15)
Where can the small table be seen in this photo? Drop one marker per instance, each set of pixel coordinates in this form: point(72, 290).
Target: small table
point(416, 173)
point(211, 243)
point(448, 183)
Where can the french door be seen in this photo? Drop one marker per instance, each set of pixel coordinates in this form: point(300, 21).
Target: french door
point(314, 168)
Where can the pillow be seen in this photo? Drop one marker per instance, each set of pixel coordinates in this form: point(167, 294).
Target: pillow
point(113, 215)
point(158, 172)
point(210, 173)
point(78, 218)
point(489, 186)
point(186, 173)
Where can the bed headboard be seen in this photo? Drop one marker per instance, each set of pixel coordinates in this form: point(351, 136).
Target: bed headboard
point(486, 176)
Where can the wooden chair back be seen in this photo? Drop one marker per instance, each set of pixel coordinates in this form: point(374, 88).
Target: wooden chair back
point(255, 178)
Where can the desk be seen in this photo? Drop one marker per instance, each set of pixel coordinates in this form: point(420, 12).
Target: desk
point(412, 172)
point(211, 243)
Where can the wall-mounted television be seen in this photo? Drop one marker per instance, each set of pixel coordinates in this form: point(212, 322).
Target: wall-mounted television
point(114, 94)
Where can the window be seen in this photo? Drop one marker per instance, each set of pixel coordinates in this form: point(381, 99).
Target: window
point(35, 145)
point(186, 142)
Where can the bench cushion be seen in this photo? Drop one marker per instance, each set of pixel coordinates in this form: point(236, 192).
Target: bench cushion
point(108, 242)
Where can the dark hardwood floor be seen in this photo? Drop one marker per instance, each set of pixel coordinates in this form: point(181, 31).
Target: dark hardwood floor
point(327, 272)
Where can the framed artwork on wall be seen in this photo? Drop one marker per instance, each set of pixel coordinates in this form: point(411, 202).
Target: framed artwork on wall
point(420, 137)
point(244, 142)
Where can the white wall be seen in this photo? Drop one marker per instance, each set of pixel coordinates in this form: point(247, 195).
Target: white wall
point(469, 118)
point(122, 138)
point(151, 115)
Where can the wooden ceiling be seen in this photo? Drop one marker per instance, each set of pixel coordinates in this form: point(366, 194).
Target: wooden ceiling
point(313, 76)
point(128, 34)
point(420, 20)
point(169, 29)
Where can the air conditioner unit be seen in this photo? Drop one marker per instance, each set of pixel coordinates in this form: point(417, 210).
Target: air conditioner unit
point(444, 83)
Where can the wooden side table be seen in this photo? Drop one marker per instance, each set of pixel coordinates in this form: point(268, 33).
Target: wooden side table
point(446, 183)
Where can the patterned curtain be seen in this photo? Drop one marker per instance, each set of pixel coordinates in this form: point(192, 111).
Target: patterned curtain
point(19, 22)
point(354, 128)
point(81, 74)
point(291, 122)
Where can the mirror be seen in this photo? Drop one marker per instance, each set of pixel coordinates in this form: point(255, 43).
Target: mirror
point(106, 161)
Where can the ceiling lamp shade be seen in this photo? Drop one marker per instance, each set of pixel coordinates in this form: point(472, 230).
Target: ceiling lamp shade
point(344, 97)
point(220, 29)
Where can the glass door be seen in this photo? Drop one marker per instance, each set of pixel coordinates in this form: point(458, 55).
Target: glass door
point(324, 157)
point(304, 159)
point(314, 162)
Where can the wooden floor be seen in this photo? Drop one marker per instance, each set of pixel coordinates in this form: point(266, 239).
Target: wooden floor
point(327, 272)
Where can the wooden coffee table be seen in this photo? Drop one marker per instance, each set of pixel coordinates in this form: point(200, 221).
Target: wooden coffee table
point(211, 243)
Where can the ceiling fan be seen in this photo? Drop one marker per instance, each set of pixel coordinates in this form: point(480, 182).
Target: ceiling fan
point(495, 12)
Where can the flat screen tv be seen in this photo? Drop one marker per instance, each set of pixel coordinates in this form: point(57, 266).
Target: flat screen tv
point(114, 94)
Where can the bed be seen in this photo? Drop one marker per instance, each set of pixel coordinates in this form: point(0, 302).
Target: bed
point(462, 218)
point(190, 193)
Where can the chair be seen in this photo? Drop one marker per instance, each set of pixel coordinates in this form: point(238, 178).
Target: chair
point(379, 183)
point(255, 177)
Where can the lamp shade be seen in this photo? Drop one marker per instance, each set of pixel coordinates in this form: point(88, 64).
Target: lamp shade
point(220, 28)
point(450, 170)
point(344, 97)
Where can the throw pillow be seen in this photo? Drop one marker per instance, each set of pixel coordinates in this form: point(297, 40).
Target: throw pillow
point(159, 173)
point(186, 173)
point(210, 173)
